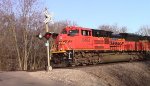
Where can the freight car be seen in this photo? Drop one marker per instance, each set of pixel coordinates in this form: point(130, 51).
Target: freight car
point(84, 46)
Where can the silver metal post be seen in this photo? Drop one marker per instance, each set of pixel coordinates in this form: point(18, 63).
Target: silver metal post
point(49, 68)
point(48, 17)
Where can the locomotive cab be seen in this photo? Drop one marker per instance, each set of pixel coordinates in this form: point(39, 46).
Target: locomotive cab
point(74, 38)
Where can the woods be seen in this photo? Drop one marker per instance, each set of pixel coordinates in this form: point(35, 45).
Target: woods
point(20, 22)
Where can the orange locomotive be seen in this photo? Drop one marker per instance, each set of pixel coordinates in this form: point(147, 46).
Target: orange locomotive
point(82, 46)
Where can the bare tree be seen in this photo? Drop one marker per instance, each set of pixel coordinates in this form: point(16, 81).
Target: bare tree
point(20, 24)
point(123, 29)
point(58, 26)
point(144, 30)
point(114, 28)
point(7, 21)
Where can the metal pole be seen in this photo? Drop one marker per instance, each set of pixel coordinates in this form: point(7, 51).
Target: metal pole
point(49, 68)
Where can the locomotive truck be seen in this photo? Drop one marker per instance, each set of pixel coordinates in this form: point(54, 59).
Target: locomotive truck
point(84, 46)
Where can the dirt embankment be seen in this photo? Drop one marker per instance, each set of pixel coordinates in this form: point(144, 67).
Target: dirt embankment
point(120, 74)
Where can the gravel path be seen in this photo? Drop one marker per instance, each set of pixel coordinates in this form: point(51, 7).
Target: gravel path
point(24, 79)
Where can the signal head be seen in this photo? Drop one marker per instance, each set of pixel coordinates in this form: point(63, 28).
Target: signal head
point(47, 35)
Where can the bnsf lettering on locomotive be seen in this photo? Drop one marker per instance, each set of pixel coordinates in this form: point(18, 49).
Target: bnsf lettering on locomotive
point(67, 41)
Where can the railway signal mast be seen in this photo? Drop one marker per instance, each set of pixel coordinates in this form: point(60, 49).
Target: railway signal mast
point(48, 36)
point(48, 18)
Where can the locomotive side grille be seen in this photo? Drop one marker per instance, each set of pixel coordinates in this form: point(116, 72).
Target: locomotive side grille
point(106, 40)
point(99, 47)
point(98, 41)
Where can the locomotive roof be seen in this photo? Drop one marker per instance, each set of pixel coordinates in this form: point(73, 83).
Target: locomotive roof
point(130, 35)
point(116, 36)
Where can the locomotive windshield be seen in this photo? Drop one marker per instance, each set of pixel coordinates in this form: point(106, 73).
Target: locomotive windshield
point(73, 32)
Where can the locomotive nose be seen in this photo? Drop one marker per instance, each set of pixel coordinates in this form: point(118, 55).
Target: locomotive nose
point(59, 42)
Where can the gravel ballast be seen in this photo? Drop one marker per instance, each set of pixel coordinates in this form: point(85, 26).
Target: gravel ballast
point(119, 74)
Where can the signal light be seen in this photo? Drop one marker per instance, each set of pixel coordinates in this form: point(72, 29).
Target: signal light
point(39, 36)
point(48, 35)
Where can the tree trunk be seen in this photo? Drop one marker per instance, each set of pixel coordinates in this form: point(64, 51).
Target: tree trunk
point(17, 49)
point(25, 50)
